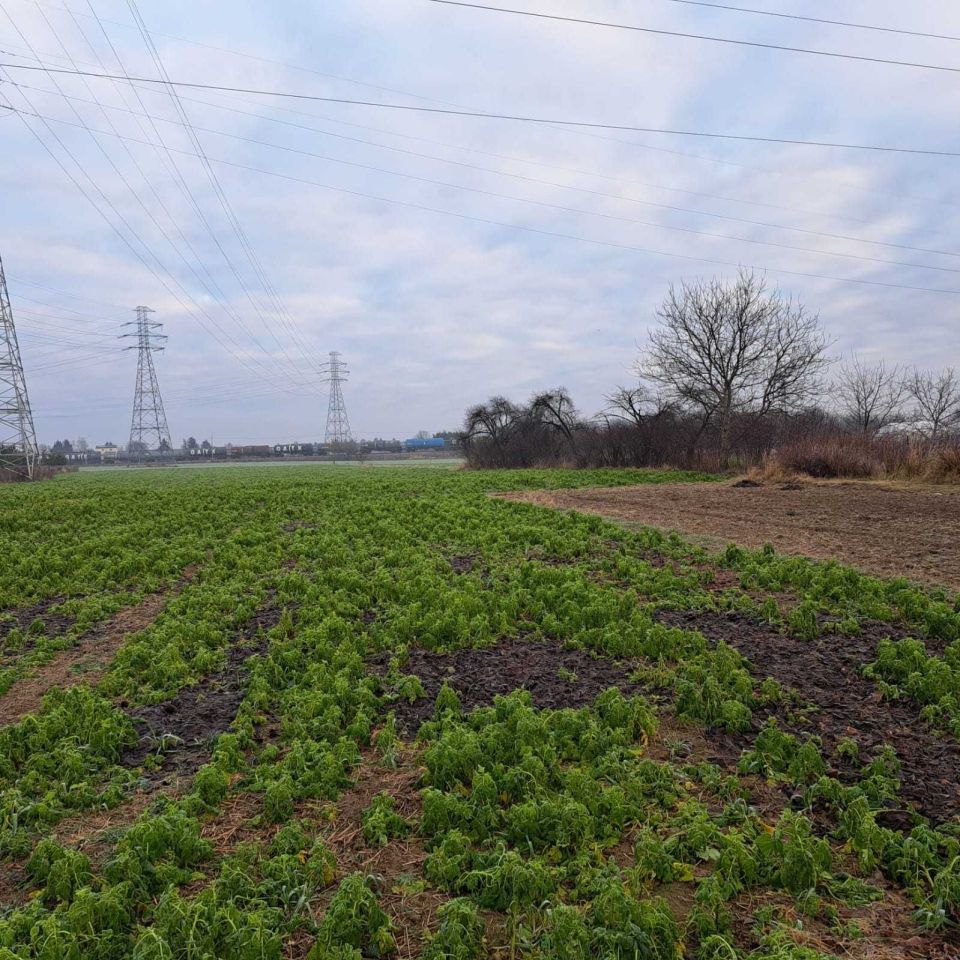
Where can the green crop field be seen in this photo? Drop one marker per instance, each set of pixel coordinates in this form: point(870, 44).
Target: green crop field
point(342, 713)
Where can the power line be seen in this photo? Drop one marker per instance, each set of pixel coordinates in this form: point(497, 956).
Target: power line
point(547, 121)
point(415, 96)
point(127, 241)
point(697, 36)
point(79, 316)
point(567, 236)
point(167, 160)
point(605, 216)
point(120, 233)
point(403, 93)
point(821, 20)
point(120, 175)
point(721, 161)
point(62, 293)
point(221, 195)
point(180, 181)
point(486, 153)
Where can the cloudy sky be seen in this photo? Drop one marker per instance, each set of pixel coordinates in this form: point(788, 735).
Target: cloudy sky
point(449, 258)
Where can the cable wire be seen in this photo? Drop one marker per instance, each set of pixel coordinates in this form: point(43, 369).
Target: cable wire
point(697, 36)
point(521, 118)
point(821, 20)
point(611, 196)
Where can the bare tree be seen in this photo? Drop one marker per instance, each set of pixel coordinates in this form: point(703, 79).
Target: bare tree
point(636, 405)
point(871, 396)
point(555, 409)
point(727, 348)
point(494, 420)
point(937, 396)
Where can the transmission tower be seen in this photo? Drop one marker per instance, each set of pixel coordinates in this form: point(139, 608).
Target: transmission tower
point(149, 423)
point(338, 426)
point(18, 441)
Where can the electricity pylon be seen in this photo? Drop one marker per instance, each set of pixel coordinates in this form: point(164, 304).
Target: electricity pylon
point(338, 426)
point(18, 441)
point(149, 422)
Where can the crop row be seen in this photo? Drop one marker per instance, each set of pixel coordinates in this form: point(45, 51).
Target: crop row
point(558, 822)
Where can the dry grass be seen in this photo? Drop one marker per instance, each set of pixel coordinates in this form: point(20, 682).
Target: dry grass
point(863, 457)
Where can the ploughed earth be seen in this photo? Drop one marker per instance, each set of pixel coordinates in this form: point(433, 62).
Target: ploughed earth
point(885, 529)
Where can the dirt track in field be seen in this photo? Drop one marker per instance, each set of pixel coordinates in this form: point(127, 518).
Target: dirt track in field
point(886, 530)
point(85, 662)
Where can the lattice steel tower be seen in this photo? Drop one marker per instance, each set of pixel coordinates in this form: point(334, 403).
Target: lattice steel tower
point(338, 426)
point(18, 441)
point(149, 423)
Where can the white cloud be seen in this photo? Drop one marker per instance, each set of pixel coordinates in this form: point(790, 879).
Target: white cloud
point(435, 311)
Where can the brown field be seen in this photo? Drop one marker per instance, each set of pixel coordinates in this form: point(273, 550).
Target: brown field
point(880, 528)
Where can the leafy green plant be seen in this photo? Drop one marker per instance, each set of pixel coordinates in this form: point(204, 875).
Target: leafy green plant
point(354, 919)
point(460, 935)
point(381, 823)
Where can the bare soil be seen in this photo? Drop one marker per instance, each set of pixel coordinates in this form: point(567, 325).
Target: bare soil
point(556, 678)
point(827, 672)
point(54, 623)
point(85, 662)
point(182, 729)
point(883, 529)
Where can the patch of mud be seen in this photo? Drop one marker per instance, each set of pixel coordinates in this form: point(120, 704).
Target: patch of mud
point(182, 729)
point(462, 564)
point(14, 885)
point(556, 678)
point(54, 624)
point(827, 672)
point(85, 662)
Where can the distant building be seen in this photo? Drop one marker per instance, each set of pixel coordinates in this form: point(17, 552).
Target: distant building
point(255, 450)
point(284, 449)
point(424, 443)
point(108, 451)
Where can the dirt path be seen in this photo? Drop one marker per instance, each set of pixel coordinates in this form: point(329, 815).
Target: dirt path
point(884, 529)
point(86, 662)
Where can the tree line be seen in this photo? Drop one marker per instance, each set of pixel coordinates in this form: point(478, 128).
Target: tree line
point(733, 374)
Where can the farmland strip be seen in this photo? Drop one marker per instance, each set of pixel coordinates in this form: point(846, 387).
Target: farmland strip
point(85, 662)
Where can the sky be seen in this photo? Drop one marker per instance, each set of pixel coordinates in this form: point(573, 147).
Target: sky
point(451, 258)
